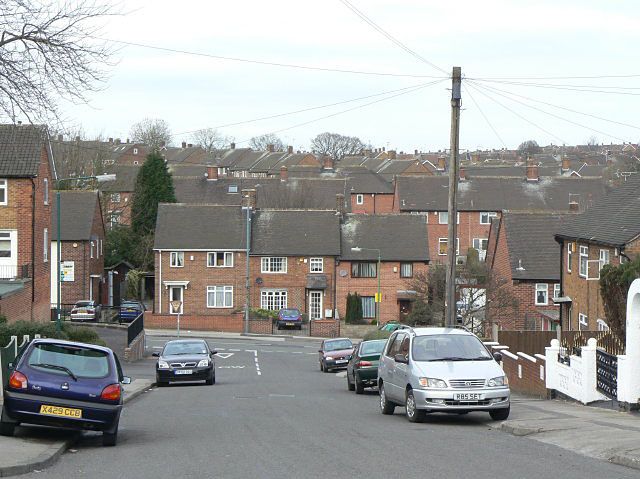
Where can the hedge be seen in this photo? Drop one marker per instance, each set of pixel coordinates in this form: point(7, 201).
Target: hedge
point(47, 330)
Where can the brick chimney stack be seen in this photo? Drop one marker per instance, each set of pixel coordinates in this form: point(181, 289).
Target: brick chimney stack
point(60, 137)
point(392, 154)
point(270, 148)
point(340, 203)
point(441, 163)
point(284, 173)
point(232, 146)
point(249, 198)
point(290, 149)
point(212, 172)
point(565, 163)
point(184, 145)
point(415, 152)
point(327, 163)
point(111, 141)
point(532, 171)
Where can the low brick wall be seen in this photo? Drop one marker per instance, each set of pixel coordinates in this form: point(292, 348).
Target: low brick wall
point(324, 328)
point(526, 373)
point(260, 326)
point(135, 350)
point(228, 323)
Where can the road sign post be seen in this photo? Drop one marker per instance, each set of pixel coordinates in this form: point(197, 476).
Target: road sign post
point(176, 304)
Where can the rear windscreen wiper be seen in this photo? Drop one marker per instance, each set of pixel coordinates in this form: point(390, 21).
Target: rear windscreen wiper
point(55, 366)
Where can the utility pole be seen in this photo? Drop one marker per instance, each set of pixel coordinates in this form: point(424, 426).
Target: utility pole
point(450, 307)
point(248, 272)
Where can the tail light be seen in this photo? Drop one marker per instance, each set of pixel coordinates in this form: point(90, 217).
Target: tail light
point(18, 380)
point(111, 393)
point(91, 311)
point(363, 364)
point(74, 310)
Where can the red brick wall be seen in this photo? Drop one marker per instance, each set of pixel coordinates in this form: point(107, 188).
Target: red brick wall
point(123, 206)
point(530, 382)
point(17, 306)
point(229, 323)
point(372, 203)
point(326, 328)
point(127, 156)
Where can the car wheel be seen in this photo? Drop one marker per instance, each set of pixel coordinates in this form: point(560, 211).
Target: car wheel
point(160, 383)
point(359, 385)
point(350, 385)
point(386, 407)
point(211, 380)
point(500, 414)
point(413, 413)
point(7, 428)
point(321, 366)
point(110, 438)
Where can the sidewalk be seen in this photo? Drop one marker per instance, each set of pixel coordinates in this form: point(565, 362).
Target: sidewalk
point(595, 432)
point(34, 448)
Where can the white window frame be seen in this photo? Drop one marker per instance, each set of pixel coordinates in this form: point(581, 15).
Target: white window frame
point(556, 290)
point(232, 189)
point(542, 288)
point(114, 218)
point(368, 312)
point(316, 265)
point(602, 325)
point(92, 245)
point(280, 299)
point(4, 186)
point(225, 254)
point(116, 198)
point(176, 259)
point(583, 321)
point(605, 257)
point(224, 289)
point(569, 256)
point(445, 214)
point(370, 265)
point(267, 264)
point(359, 199)
point(315, 306)
point(45, 187)
point(100, 242)
point(583, 253)
point(446, 241)
point(488, 215)
point(408, 264)
point(46, 246)
point(135, 151)
point(477, 243)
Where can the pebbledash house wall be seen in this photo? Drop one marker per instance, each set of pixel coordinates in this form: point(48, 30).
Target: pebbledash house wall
point(32, 301)
point(390, 284)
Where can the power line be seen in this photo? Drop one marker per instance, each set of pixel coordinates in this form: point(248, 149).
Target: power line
point(560, 87)
point(592, 77)
point(260, 62)
point(390, 37)
point(485, 118)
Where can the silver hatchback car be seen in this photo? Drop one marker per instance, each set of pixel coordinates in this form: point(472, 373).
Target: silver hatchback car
point(441, 370)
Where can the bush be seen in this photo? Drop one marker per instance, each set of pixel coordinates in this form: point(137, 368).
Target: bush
point(47, 330)
point(83, 335)
point(3, 319)
point(354, 311)
point(263, 313)
point(377, 334)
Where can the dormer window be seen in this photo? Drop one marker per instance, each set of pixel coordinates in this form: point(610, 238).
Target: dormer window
point(233, 188)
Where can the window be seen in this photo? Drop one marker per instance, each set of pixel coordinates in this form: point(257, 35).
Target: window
point(604, 257)
point(233, 188)
point(135, 151)
point(100, 241)
point(3, 192)
point(442, 246)
point(443, 217)
point(485, 217)
point(368, 307)
point(114, 218)
point(316, 265)
point(569, 256)
point(584, 257)
point(393, 345)
point(115, 198)
point(480, 245)
point(45, 184)
point(176, 259)
point(359, 199)
point(6, 244)
point(273, 299)
point(542, 294)
point(602, 325)
point(556, 290)
point(220, 259)
point(362, 269)
point(219, 296)
point(406, 270)
point(277, 264)
point(93, 245)
point(45, 249)
point(583, 321)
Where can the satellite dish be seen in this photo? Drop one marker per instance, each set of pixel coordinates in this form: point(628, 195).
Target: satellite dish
point(258, 280)
point(343, 273)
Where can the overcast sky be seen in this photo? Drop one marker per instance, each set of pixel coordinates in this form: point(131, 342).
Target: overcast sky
point(492, 39)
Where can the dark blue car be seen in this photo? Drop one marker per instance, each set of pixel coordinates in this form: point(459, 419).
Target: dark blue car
point(64, 384)
point(130, 310)
point(289, 318)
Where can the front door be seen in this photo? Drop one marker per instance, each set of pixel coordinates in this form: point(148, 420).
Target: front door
point(405, 308)
point(315, 304)
point(175, 294)
point(8, 254)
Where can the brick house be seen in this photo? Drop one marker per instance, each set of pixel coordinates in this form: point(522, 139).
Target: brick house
point(369, 193)
point(26, 175)
point(404, 252)
point(82, 234)
point(525, 264)
point(117, 195)
point(607, 233)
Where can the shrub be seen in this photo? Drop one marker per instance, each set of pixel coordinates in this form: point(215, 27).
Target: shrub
point(263, 313)
point(47, 330)
point(377, 334)
point(83, 335)
point(3, 319)
point(354, 312)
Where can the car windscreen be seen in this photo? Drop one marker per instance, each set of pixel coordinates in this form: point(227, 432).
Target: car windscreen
point(290, 313)
point(372, 347)
point(130, 305)
point(337, 345)
point(449, 347)
point(83, 303)
point(184, 348)
point(62, 359)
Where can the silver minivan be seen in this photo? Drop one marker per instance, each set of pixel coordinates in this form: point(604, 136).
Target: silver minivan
point(441, 370)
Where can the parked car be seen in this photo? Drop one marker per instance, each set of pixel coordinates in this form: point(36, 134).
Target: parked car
point(130, 310)
point(64, 384)
point(335, 353)
point(86, 310)
point(362, 369)
point(185, 360)
point(391, 326)
point(289, 318)
point(441, 370)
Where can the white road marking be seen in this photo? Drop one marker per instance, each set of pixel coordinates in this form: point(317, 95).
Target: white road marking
point(255, 357)
point(224, 355)
point(234, 349)
point(230, 367)
point(293, 352)
point(282, 395)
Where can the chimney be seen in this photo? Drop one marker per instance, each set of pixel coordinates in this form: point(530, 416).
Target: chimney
point(383, 149)
point(441, 163)
point(111, 140)
point(184, 145)
point(232, 146)
point(532, 171)
point(284, 173)
point(415, 152)
point(212, 172)
point(77, 139)
point(290, 150)
point(463, 174)
point(118, 140)
point(340, 203)
point(249, 198)
point(565, 163)
point(190, 145)
point(367, 152)
point(392, 154)
point(128, 141)
point(327, 163)
point(60, 137)
point(270, 148)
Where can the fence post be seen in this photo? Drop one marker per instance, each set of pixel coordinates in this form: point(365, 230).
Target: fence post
point(589, 372)
point(551, 363)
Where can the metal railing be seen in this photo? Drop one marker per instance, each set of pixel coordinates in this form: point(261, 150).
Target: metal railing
point(135, 328)
point(108, 314)
point(14, 271)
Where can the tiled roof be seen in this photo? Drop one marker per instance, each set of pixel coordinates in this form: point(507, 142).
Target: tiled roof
point(20, 150)
point(125, 181)
point(362, 180)
point(398, 237)
point(77, 208)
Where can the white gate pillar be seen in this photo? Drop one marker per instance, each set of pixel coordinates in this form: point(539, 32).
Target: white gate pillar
point(628, 371)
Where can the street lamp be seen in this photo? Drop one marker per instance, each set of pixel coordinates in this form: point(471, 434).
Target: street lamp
point(357, 249)
point(100, 179)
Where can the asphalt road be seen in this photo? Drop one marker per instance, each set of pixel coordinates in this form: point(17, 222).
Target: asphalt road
point(273, 414)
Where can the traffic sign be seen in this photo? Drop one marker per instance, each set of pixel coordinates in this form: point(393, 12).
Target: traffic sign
point(175, 305)
point(378, 298)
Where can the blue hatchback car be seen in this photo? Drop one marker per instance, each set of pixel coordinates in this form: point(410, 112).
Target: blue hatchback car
point(64, 384)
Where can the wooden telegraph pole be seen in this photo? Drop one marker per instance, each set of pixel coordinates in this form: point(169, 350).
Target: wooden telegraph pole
point(450, 306)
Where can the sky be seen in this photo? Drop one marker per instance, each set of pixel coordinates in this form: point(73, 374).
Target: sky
point(499, 45)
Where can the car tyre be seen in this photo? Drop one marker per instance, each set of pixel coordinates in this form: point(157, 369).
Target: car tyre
point(500, 414)
point(211, 380)
point(321, 366)
point(350, 385)
point(386, 407)
point(413, 413)
point(160, 383)
point(110, 438)
point(359, 385)
point(7, 428)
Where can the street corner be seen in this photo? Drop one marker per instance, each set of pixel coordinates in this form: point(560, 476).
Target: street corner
point(629, 458)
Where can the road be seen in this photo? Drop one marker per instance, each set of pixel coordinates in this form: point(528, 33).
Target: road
point(273, 414)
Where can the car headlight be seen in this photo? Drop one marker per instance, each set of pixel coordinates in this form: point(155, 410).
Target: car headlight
point(163, 365)
point(432, 383)
point(329, 358)
point(499, 381)
point(203, 363)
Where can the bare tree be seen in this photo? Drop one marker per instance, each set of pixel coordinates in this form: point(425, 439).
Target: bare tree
point(335, 145)
point(210, 139)
point(528, 148)
point(155, 133)
point(261, 143)
point(80, 156)
point(49, 50)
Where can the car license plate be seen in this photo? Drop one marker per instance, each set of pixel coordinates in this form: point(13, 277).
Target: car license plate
point(184, 371)
point(129, 310)
point(340, 361)
point(291, 324)
point(468, 397)
point(60, 411)
point(82, 311)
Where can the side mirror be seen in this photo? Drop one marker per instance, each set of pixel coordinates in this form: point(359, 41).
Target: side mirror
point(497, 356)
point(126, 380)
point(10, 366)
point(155, 355)
point(401, 358)
point(319, 350)
point(213, 353)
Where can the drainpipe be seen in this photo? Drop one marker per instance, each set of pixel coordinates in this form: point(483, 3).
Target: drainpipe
point(84, 270)
point(335, 275)
point(33, 245)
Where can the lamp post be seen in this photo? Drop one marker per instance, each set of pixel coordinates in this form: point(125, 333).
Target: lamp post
point(100, 179)
point(357, 249)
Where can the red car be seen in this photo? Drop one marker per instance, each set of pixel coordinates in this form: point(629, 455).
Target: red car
point(335, 354)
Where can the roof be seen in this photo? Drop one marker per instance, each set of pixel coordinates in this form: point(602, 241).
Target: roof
point(614, 220)
point(398, 237)
point(126, 176)
point(361, 180)
point(295, 233)
point(431, 331)
point(498, 193)
point(181, 226)
point(6, 288)
point(21, 149)
point(77, 209)
point(533, 251)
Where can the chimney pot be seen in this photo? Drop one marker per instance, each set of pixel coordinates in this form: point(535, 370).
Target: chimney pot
point(184, 144)
point(340, 203)
point(290, 150)
point(270, 148)
point(284, 173)
point(392, 154)
point(232, 146)
point(212, 172)
point(249, 198)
